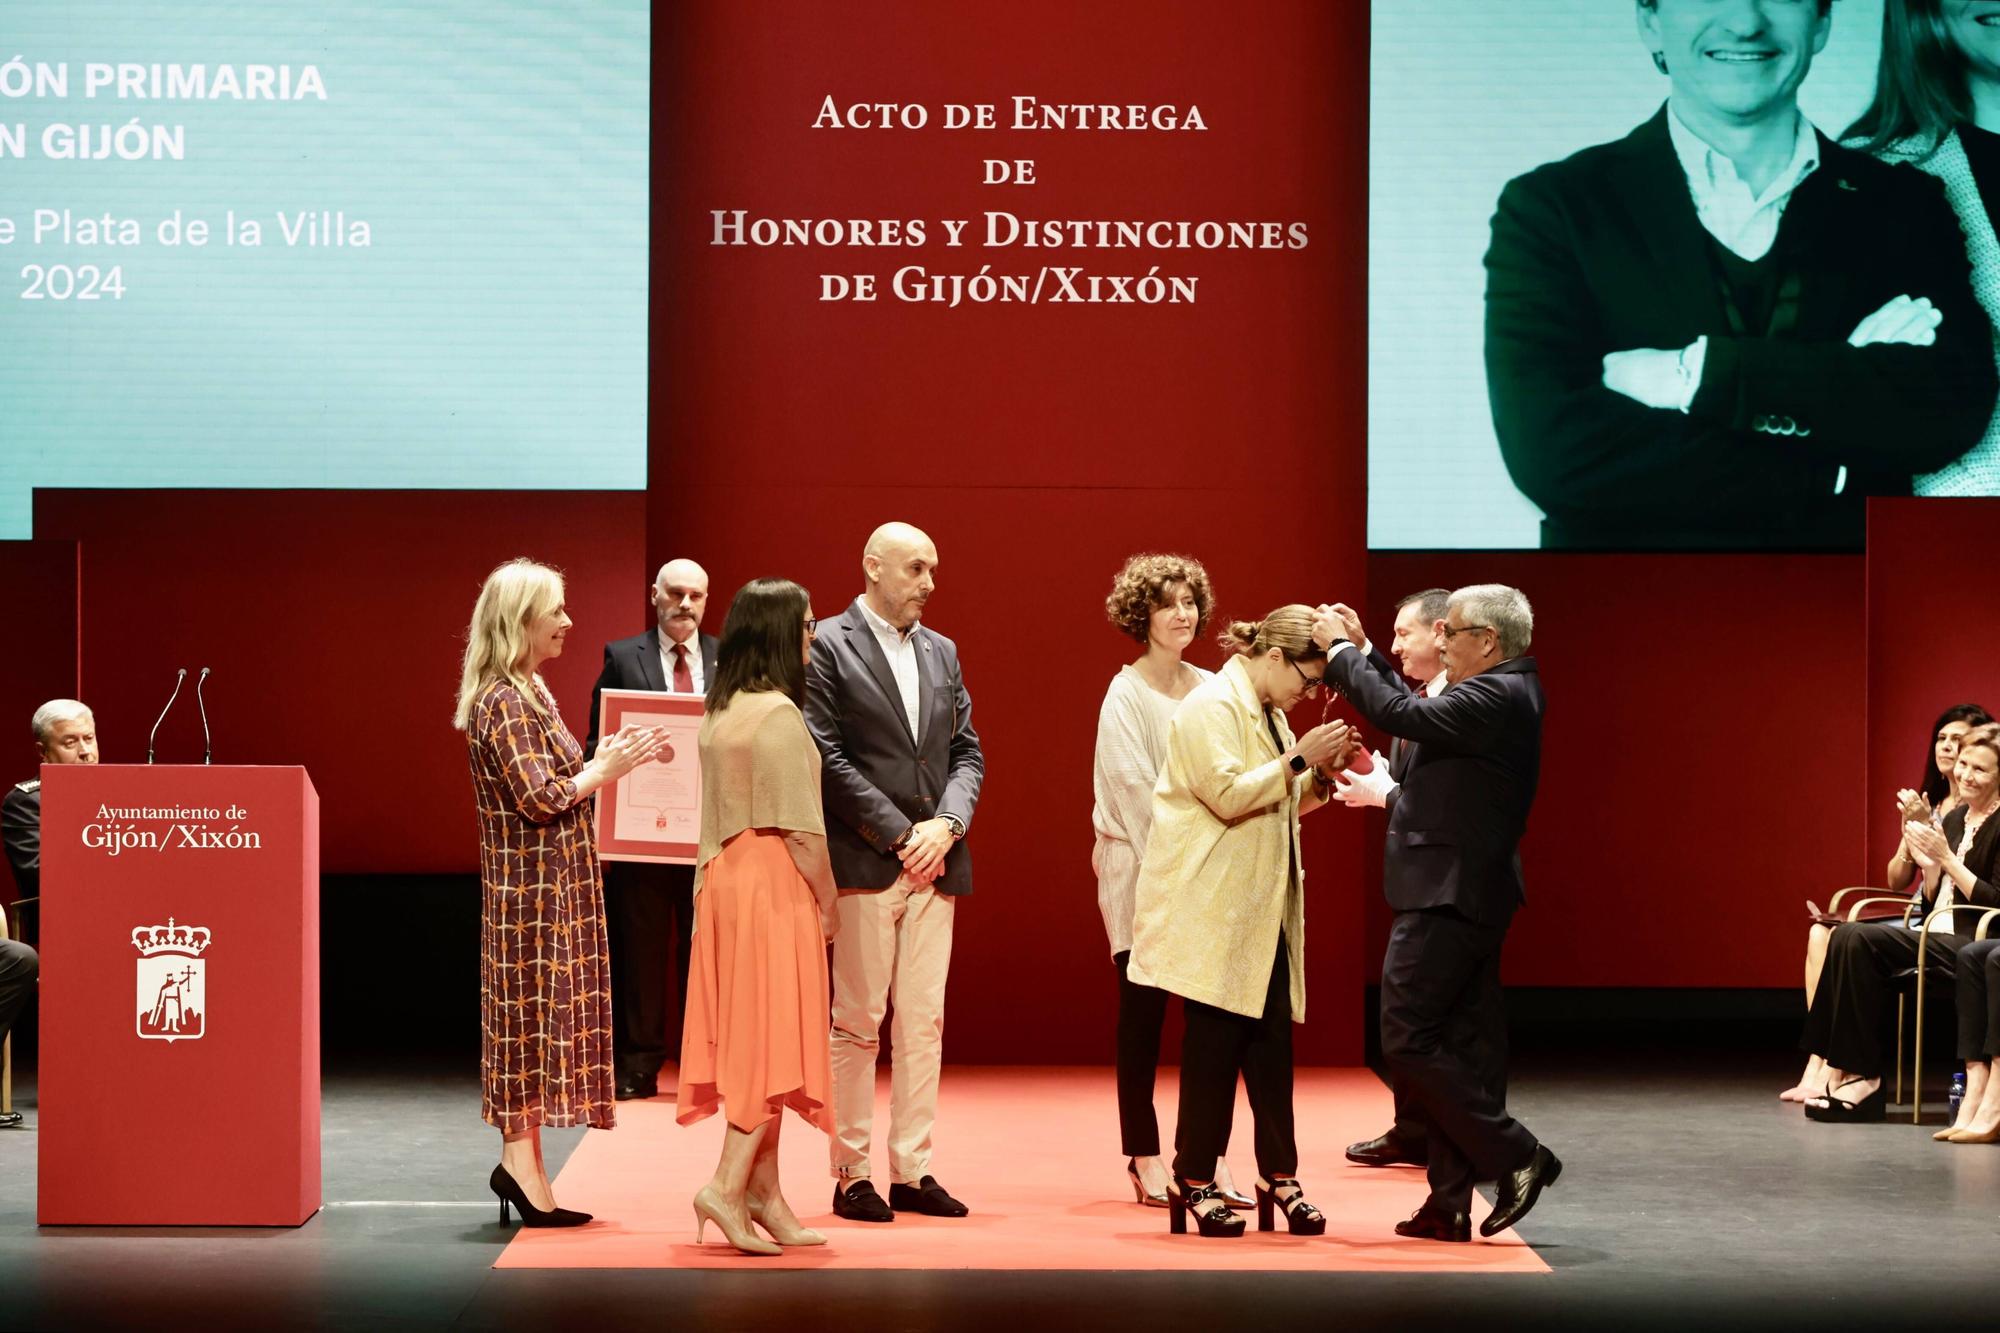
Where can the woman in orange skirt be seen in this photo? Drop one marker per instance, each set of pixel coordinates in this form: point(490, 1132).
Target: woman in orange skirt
point(755, 1037)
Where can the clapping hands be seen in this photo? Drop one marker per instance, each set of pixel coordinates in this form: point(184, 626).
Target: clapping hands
point(1927, 845)
point(632, 746)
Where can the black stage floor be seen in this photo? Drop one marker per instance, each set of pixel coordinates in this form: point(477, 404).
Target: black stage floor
point(1689, 1193)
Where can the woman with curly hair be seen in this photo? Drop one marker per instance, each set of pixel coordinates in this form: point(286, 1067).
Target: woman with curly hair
point(1161, 602)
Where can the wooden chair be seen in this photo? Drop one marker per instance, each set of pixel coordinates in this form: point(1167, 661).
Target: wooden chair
point(10, 928)
point(1919, 977)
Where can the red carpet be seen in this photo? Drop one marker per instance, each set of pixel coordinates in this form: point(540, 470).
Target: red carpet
point(1033, 1153)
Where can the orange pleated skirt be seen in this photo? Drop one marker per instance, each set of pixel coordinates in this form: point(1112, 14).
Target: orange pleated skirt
point(755, 1036)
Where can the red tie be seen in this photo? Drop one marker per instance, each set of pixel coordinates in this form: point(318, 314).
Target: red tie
point(683, 678)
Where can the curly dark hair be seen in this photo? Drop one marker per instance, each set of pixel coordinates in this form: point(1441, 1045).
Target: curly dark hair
point(1140, 589)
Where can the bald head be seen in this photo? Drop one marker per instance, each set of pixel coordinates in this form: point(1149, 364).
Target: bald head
point(900, 564)
point(680, 595)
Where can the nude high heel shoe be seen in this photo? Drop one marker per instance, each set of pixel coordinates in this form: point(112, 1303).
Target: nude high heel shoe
point(708, 1207)
point(784, 1233)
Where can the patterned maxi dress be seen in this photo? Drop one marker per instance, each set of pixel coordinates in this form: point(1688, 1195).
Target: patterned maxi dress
point(544, 969)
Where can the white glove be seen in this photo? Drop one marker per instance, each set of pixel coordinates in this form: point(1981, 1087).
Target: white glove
point(1370, 788)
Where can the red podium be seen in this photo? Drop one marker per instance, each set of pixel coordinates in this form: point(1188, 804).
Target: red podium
point(179, 1073)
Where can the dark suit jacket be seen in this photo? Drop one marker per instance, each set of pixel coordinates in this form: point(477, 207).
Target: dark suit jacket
point(1603, 252)
point(1983, 860)
point(1455, 832)
point(21, 828)
point(1400, 750)
point(634, 664)
point(875, 778)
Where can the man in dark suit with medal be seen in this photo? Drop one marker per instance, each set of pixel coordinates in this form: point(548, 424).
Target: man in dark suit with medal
point(1725, 330)
point(650, 908)
point(1451, 869)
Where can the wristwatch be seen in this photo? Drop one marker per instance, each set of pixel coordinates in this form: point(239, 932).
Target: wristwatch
point(957, 825)
point(1298, 764)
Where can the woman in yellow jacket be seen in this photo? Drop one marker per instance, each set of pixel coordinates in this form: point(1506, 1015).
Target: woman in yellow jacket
point(1219, 912)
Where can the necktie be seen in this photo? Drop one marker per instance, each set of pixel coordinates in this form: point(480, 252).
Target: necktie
point(683, 678)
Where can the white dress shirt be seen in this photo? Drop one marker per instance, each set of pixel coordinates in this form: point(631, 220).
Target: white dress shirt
point(901, 649)
point(693, 647)
point(1742, 219)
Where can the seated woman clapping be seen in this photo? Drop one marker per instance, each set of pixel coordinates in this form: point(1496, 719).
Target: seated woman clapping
point(1957, 873)
point(1938, 795)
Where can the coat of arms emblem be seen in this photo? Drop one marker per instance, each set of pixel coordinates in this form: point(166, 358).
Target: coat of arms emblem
point(172, 989)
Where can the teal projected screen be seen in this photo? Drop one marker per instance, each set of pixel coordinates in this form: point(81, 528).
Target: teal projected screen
point(322, 245)
point(1467, 96)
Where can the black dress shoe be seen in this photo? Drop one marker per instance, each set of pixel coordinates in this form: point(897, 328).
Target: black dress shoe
point(1517, 1191)
point(926, 1196)
point(1387, 1150)
point(10, 1120)
point(636, 1089)
point(857, 1201)
point(1436, 1224)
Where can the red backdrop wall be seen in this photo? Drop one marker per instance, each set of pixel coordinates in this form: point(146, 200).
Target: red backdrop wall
point(334, 622)
point(1702, 760)
point(1039, 445)
point(1929, 645)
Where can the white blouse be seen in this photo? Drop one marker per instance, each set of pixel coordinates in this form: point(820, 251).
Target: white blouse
point(1131, 747)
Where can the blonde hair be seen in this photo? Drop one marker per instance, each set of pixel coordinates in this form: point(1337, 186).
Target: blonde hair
point(1289, 629)
point(515, 596)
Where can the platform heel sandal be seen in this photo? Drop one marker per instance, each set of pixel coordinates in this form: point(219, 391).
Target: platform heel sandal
point(1301, 1218)
point(1181, 1200)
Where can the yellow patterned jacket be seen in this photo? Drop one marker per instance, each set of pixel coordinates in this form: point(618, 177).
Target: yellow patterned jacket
point(1218, 880)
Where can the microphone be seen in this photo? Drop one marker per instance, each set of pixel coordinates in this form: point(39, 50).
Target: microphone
point(163, 713)
point(207, 747)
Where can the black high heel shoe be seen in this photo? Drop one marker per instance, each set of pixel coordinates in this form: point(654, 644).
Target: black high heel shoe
point(1871, 1109)
point(1301, 1218)
point(510, 1192)
point(1217, 1222)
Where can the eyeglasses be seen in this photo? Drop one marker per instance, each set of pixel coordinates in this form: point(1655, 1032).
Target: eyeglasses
point(1450, 633)
point(812, 624)
point(1312, 682)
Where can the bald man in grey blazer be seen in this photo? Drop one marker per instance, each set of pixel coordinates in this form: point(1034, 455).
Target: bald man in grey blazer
point(900, 774)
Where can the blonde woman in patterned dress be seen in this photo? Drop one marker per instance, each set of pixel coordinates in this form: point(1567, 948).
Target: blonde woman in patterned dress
point(544, 979)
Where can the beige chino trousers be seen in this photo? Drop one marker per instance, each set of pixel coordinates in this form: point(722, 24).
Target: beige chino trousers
point(894, 946)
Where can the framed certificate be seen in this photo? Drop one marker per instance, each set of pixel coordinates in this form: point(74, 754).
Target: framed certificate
point(652, 813)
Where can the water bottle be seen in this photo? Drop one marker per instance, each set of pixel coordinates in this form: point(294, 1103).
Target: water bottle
point(1957, 1092)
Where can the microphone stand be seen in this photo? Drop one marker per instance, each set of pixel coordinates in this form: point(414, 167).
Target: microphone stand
point(163, 713)
point(207, 747)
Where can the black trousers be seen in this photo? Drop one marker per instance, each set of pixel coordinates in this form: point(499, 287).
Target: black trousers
point(1855, 1005)
point(1410, 1128)
point(1978, 988)
point(650, 912)
point(1444, 1037)
point(1142, 1012)
point(1216, 1047)
point(19, 966)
